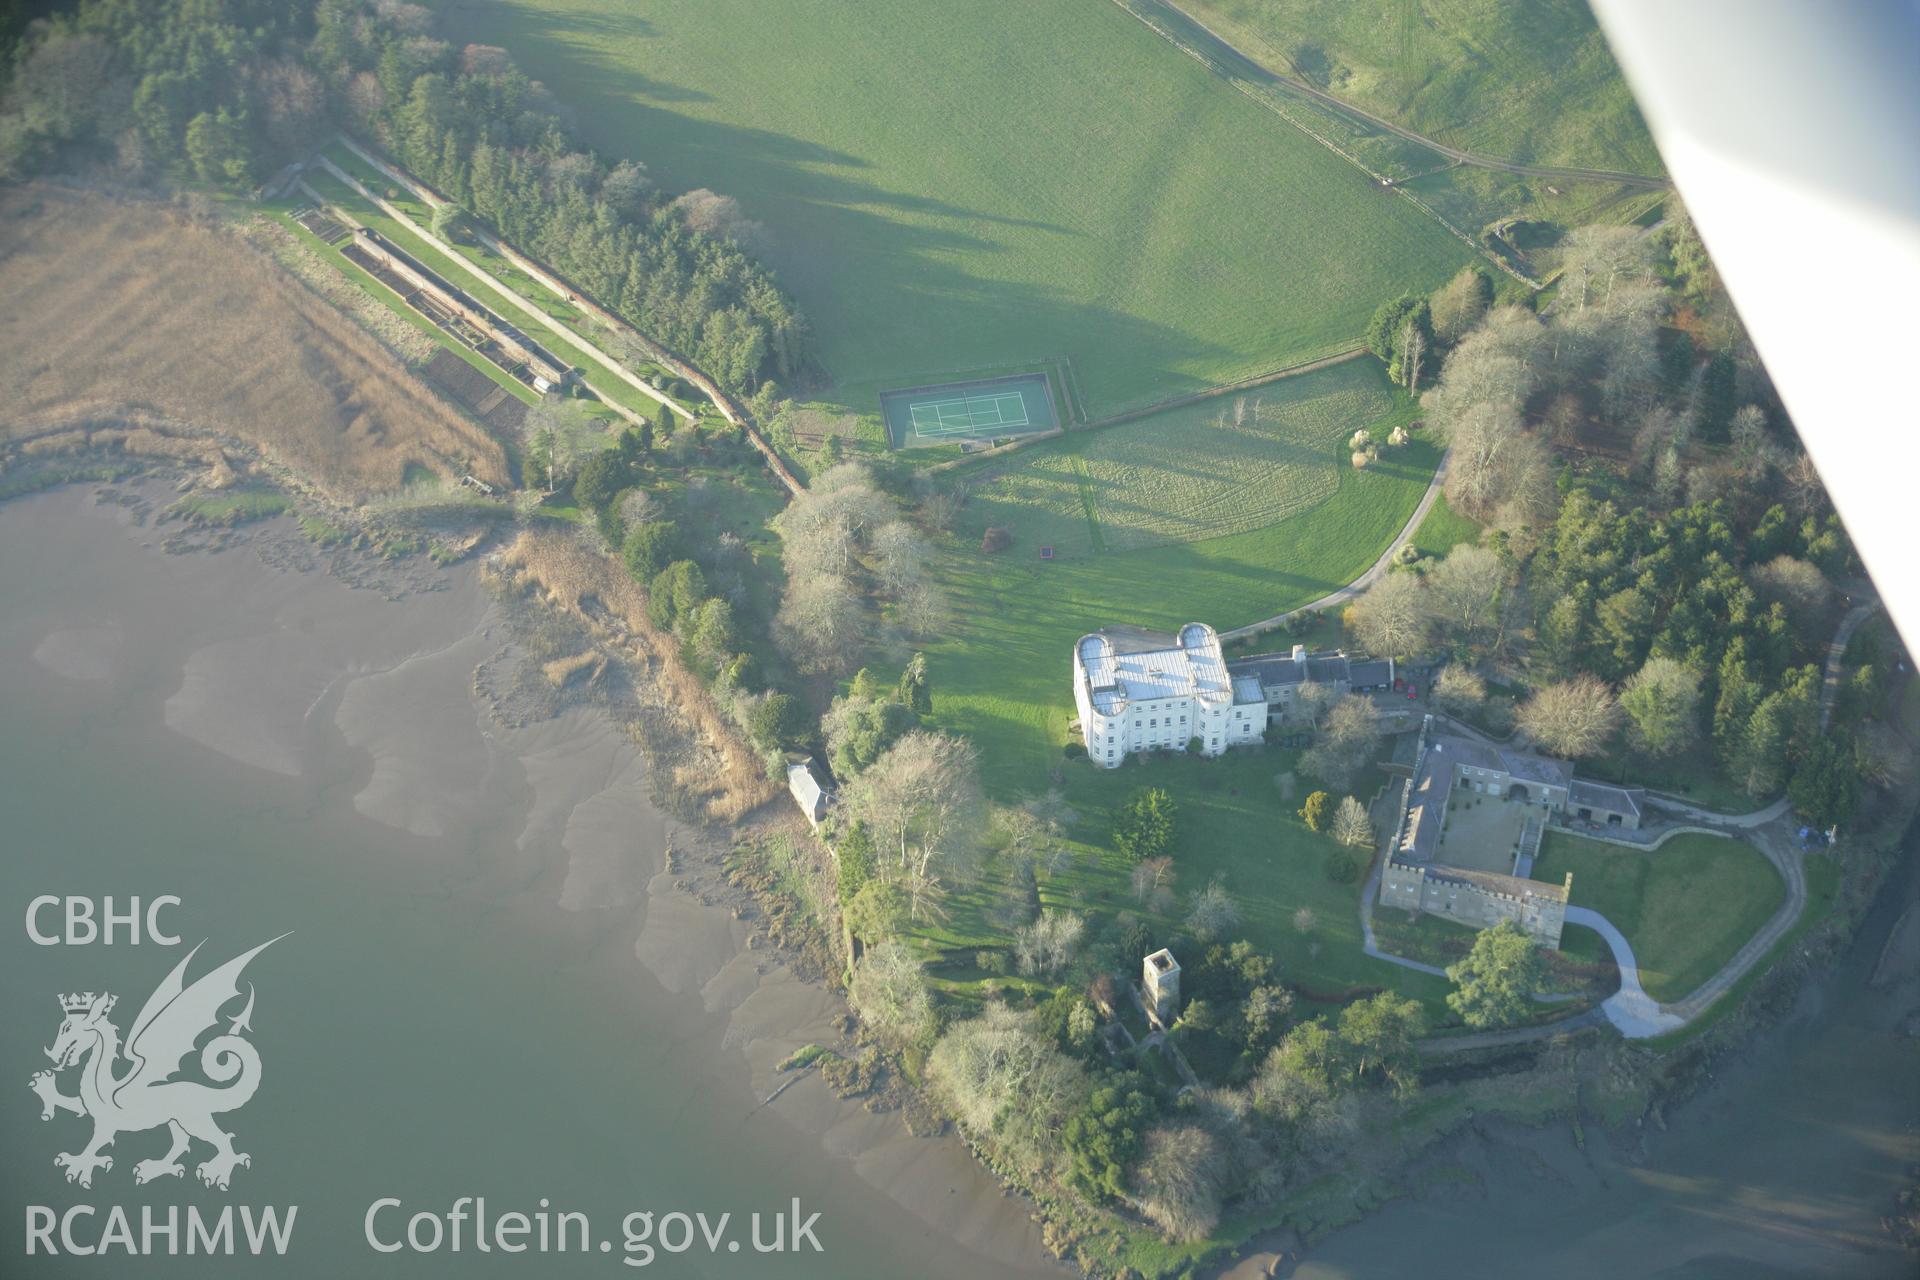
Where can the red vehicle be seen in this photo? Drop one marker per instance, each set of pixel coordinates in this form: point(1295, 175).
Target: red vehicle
point(1413, 692)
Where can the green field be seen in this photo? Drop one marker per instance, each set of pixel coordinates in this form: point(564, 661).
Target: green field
point(1686, 907)
point(1001, 673)
point(1533, 83)
point(1227, 465)
point(986, 182)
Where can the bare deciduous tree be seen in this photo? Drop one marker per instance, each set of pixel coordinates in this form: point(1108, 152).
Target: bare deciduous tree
point(1459, 305)
point(900, 556)
point(1801, 587)
point(1459, 689)
point(826, 617)
point(1351, 825)
point(1413, 350)
point(1392, 618)
point(1212, 912)
point(890, 994)
point(718, 216)
point(823, 623)
point(1573, 718)
point(1178, 1180)
point(1480, 436)
point(1595, 259)
point(1464, 591)
point(1046, 946)
point(922, 801)
point(1000, 1075)
point(1352, 734)
point(1153, 882)
point(1804, 486)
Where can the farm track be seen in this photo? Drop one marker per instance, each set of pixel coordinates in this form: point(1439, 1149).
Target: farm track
point(1230, 61)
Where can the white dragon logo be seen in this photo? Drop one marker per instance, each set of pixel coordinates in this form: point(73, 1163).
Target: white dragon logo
point(146, 1096)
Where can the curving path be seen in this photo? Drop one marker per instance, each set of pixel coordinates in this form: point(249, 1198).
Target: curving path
point(1631, 1009)
point(1360, 584)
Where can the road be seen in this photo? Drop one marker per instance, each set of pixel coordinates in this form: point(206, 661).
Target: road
point(1837, 653)
point(1228, 59)
point(1365, 580)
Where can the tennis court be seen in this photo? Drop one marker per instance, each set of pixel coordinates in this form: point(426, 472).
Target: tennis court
point(988, 409)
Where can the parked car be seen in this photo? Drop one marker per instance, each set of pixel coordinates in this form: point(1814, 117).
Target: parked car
point(1413, 692)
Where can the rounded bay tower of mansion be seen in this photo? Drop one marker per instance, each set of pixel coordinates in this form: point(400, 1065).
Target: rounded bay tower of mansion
point(1141, 690)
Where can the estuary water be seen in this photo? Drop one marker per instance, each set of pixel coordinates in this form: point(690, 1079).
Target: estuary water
point(488, 986)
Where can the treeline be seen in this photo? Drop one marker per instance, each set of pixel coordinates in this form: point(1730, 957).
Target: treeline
point(226, 91)
point(211, 90)
point(1659, 632)
point(473, 126)
point(696, 582)
point(1695, 611)
point(1630, 361)
point(857, 572)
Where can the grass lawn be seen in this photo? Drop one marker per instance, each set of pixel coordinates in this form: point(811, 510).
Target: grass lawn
point(1532, 83)
point(1443, 529)
point(1232, 464)
point(986, 182)
point(1686, 907)
point(1001, 677)
point(1823, 890)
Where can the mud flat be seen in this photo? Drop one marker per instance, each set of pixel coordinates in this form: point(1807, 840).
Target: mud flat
point(494, 984)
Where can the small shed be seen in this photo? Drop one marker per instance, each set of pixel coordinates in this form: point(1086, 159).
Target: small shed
point(808, 791)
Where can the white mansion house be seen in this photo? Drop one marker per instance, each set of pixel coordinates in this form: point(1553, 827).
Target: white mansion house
point(1140, 690)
